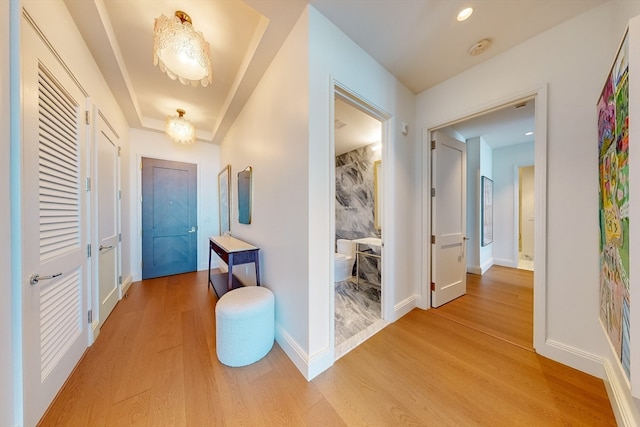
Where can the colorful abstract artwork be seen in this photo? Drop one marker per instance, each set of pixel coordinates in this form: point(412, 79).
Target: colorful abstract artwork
point(613, 146)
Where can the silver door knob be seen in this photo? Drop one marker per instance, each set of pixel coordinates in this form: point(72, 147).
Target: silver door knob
point(35, 278)
point(104, 248)
point(193, 230)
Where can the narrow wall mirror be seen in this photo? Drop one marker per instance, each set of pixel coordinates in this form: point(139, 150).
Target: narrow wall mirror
point(224, 205)
point(377, 194)
point(244, 196)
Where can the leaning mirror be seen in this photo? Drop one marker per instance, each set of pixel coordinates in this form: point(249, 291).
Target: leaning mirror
point(377, 194)
point(224, 207)
point(244, 196)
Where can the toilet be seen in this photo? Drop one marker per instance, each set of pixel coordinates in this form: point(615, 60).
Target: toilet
point(344, 259)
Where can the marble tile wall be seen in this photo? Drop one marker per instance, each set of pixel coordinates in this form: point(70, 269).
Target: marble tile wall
point(354, 204)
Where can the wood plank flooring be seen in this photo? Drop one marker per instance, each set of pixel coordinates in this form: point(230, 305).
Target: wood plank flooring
point(154, 364)
point(498, 303)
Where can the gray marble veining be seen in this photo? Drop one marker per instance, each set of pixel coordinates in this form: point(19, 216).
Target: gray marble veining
point(356, 308)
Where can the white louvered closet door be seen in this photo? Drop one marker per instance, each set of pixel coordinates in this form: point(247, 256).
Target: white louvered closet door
point(54, 232)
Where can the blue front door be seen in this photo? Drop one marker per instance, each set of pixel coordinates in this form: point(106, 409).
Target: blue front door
point(169, 218)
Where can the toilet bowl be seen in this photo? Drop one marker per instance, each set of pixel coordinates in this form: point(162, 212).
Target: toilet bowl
point(343, 260)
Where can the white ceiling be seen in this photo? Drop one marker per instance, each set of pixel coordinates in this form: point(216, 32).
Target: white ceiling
point(420, 42)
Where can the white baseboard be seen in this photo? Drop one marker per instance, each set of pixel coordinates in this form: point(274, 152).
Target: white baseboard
point(474, 269)
point(126, 284)
point(622, 403)
point(309, 367)
point(505, 262)
point(573, 357)
point(404, 307)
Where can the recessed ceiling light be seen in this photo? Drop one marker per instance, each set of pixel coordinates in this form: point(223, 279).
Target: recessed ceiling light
point(528, 133)
point(464, 14)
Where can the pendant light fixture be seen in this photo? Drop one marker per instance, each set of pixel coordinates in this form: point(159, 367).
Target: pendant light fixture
point(180, 51)
point(180, 129)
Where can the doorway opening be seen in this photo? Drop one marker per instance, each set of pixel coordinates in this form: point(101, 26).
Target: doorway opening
point(503, 252)
point(358, 222)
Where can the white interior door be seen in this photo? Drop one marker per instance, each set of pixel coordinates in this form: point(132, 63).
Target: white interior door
point(107, 213)
point(448, 219)
point(54, 243)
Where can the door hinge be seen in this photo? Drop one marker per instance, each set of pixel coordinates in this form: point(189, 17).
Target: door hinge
point(89, 250)
point(433, 192)
point(433, 286)
point(119, 237)
point(433, 239)
point(119, 194)
point(140, 165)
point(119, 149)
point(119, 280)
point(433, 145)
point(87, 117)
point(141, 264)
point(87, 184)
point(90, 316)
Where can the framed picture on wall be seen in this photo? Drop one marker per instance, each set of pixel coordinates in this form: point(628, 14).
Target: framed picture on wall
point(486, 211)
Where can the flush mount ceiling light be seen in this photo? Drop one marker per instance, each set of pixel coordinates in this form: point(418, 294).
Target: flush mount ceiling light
point(180, 129)
point(479, 47)
point(180, 51)
point(464, 14)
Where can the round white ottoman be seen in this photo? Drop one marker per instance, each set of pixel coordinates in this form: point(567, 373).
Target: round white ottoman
point(245, 325)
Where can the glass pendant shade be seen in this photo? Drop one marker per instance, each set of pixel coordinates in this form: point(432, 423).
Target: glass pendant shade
point(180, 51)
point(180, 129)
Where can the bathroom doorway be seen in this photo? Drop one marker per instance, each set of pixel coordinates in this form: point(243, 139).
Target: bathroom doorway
point(358, 170)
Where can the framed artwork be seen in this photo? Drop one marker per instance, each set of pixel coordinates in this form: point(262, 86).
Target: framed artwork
point(224, 207)
point(486, 210)
point(614, 207)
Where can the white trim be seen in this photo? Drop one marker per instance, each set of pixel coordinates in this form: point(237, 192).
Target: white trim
point(405, 306)
point(616, 385)
point(337, 89)
point(539, 93)
point(310, 367)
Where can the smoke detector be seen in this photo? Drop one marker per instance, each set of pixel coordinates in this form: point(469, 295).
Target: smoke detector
point(479, 47)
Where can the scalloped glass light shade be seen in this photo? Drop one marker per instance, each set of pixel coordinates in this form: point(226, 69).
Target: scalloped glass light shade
point(181, 52)
point(180, 130)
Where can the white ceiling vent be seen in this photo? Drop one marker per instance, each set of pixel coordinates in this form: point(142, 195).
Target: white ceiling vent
point(479, 47)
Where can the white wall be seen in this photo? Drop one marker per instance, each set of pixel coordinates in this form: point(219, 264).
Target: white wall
point(486, 169)
point(336, 58)
point(271, 135)
point(144, 143)
point(473, 205)
point(506, 162)
point(284, 133)
point(574, 60)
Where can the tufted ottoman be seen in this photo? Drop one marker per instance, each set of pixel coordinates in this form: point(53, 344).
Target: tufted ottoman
point(245, 325)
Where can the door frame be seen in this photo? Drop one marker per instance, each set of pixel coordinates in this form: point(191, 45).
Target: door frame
point(94, 297)
point(539, 93)
point(137, 264)
point(386, 296)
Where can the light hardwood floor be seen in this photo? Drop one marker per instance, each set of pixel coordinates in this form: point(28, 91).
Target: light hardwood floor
point(499, 303)
point(155, 364)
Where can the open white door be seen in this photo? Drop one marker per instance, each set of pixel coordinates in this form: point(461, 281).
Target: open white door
point(54, 225)
point(448, 219)
point(108, 249)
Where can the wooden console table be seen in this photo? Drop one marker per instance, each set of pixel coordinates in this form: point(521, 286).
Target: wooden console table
point(233, 252)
